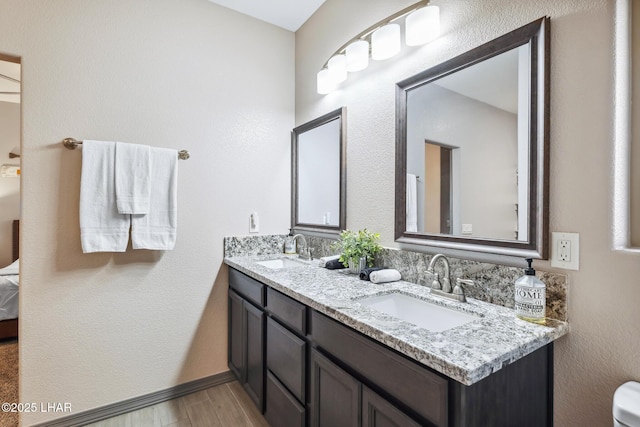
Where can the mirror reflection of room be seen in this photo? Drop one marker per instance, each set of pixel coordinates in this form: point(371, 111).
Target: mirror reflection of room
point(319, 175)
point(9, 229)
point(467, 138)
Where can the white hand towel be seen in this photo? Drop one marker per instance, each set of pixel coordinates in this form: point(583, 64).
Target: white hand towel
point(157, 229)
point(322, 262)
point(132, 176)
point(102, 228)
point(412, 203)
point(383, 276)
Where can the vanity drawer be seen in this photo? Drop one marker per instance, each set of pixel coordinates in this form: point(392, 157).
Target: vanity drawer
point(282, 409)
point(249, 288)
point(287, 310)
point(286, 358)
point(418, 388)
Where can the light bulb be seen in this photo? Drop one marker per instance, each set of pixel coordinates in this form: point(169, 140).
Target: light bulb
point(337, 67)
point(324, 82)
point(357, 55)
point(422, 26)
point(385, 42)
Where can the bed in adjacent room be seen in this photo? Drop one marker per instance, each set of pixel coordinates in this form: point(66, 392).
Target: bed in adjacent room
point(9, 282)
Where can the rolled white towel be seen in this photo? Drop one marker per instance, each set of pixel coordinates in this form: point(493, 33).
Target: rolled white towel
point(384, 276)
point(322, 262)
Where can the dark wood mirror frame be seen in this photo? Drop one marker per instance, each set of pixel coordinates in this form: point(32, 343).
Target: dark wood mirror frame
point(537, 34)
point(339, 114)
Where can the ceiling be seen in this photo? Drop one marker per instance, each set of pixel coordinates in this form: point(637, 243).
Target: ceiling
point(493, 81)
point(287, 14)
point(9, 82)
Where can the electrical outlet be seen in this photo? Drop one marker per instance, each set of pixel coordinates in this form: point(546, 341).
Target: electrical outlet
point(565, 250)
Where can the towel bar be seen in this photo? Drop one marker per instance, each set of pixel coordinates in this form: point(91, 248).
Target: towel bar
point(72, 144)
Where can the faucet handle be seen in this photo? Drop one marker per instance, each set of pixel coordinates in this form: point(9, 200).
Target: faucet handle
point(436, 282)
point(460, 281)
point(459, 290)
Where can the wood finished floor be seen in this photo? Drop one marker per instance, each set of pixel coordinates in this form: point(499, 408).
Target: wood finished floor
point(226, 405)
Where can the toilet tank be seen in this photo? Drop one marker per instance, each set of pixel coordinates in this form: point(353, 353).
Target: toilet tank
point(626, 405)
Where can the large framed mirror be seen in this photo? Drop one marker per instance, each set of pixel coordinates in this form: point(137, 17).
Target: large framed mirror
point(319, 174)
point(472, 149)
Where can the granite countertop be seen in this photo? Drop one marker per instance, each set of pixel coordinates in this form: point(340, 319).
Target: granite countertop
point(466, 353)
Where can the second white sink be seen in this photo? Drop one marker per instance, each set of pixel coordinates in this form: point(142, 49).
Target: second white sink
point(424, 314)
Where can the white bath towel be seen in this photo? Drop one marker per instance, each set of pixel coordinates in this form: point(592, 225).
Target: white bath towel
point(384, 276)
point(412, 203)
point(157, 229)
point(132, 176)
point(322, 262)
point(102, 228)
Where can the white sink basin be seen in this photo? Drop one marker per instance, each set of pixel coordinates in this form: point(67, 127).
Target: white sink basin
point(277, 264)
point(421, 313)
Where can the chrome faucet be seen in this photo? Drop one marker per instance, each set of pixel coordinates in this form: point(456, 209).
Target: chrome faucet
point(444, 289)
point(446, 280)
point(305, 252)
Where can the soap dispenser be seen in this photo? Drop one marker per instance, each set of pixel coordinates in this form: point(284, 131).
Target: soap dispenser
point(290, 243)
point(530, 296)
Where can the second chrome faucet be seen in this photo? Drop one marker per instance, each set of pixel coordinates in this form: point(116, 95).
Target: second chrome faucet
point(304, 252)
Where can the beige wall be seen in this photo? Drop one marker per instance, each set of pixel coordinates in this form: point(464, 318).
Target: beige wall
point(602, 349)
point(100, 328)
point(9, 187)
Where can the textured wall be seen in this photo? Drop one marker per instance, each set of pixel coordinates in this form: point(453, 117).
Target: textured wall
point(602, 349)
point(9, 187)
point(101, 328)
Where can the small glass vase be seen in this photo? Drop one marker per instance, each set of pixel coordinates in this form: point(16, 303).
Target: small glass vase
point(356, 266)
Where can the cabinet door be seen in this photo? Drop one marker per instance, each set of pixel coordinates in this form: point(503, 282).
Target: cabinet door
point(236, 334)
point(379, 412)
point(286, 358)
point(254, 344)
point(335, 395)
point(282, 409)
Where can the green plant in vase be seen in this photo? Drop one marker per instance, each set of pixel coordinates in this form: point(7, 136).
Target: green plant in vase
point(358, 248)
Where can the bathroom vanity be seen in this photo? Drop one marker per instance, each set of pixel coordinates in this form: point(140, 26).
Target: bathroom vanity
point(309, 352)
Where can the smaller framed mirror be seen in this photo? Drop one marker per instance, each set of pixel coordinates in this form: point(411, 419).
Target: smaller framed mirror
point(318, 196)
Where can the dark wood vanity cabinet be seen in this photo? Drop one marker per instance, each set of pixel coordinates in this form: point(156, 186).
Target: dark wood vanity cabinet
point(246, 334)
point(406, 393)
point(304, 368)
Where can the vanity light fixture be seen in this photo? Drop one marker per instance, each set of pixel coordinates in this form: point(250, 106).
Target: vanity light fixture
point(382, 40)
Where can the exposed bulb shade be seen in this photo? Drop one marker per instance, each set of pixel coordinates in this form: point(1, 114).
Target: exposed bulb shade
point(422, 26)
point(385, 42)
point(357, 54)
point(337, 67)
point(324, 82)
